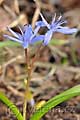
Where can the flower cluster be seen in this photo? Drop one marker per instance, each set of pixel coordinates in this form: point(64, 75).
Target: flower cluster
point(29, 36)
point(26, 36)
point(55, 26)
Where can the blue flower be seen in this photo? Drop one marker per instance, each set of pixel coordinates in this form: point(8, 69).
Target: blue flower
point(55, 26)
point(26, 36)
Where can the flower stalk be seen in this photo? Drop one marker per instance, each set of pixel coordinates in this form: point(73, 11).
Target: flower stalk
point(29, 66)
point(27, 91)
point(36, 55)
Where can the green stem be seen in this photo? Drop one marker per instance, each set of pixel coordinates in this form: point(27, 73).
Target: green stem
point(36, 55)
point(27, 91)
point(29, 71)
point(12, 107)
point(24, 107)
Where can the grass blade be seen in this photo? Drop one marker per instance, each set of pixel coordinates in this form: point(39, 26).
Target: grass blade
point(55, 101)
point(12, 107)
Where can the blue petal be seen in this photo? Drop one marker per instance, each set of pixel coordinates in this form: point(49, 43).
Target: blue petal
point(37, 38)
point(24, 28)
point(20, 30)
point(14, 33)
point(61, 22)
point(48, 36)
point(28, 33)
point(66, 30)
point(25, 44)
point(20, 36)
point(35, 32)
point(40, 23)
point(12, 38)
point(58, 24)
point(54, 19)
point(45, 22)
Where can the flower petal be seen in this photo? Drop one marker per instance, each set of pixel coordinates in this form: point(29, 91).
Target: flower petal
point(53, 20)
point(28, 33)
point(40, 23)
point(58, 23)
point(45, 22)
point(14, 33)
point(12, 38)
point(25, 44)
point(20, 30)
point(48, 36)
point(61, 22)
point(24, 28)
point(66, 30)
point(35, 32)
point(20, 36)
point(59, 18)
point(37, 38)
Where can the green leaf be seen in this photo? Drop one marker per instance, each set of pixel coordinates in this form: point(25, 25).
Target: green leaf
point(12, 107)
point(55, 101)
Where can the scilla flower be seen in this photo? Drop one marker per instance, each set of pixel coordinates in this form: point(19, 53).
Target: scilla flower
point(26, 36)
point(55, 26)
